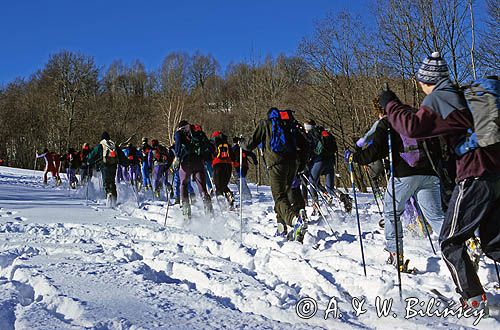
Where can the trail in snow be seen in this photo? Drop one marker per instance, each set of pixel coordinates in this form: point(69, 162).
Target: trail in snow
point(68, 263)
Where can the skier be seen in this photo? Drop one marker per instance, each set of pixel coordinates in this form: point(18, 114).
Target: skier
point(162, 159)
point(244, 166)
point(192, 148)
point(222, 165)
point(280, 138)
point(71, 161)
point(52, 164)
point(410, 179)
point(322, 162)
point(85, 169)
point(146, 163)
point(134, 157)
point(475, 200)
point(107, 155)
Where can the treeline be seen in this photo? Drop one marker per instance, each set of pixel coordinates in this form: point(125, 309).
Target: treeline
point(332, 78)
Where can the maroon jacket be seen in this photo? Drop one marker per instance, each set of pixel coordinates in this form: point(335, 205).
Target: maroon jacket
point(444, 112)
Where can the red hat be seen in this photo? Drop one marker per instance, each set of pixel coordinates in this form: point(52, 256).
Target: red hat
point(216, 134)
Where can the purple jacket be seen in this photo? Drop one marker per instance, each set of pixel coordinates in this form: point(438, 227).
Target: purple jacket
point(444, 112)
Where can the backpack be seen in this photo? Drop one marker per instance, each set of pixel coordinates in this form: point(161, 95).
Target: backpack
point(109, 153)
point(483, 100)
point(160, 153)
point(198, 144)
point(222, 151)
point(283, 131)
point(326, 144)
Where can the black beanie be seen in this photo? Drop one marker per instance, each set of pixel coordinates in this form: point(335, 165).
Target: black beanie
point(182, 123)
point(105, 136)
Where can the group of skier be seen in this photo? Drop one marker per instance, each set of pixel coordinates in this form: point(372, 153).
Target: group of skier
point(452, 137)
point(443, 157)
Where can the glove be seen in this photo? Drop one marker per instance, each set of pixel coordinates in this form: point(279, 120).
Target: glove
point(348, 156)
point(360, 143)
point(467, 144)
point(385, 97)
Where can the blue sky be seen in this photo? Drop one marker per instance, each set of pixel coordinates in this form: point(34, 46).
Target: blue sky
point(231, 30)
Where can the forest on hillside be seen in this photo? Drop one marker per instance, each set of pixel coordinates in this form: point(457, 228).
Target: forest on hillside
point(333, 77)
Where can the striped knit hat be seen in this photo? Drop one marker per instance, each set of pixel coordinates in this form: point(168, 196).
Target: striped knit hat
point(433, 69)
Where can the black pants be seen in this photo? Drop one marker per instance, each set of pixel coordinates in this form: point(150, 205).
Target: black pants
point(108, 179)
point(222, 175)
point(474, 203)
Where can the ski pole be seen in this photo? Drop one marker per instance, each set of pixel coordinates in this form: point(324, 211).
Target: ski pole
point(241, 190)
point(168, 201)
point(319, 209)
point(213, 185)
point(421, 214)
point(34, 166)
point(328, 208)
point(351, 170)
point(393, 191)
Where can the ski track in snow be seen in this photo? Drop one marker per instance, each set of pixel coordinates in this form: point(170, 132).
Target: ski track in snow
point(68, 263)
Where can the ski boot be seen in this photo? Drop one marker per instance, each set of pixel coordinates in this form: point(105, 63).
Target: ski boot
point(281, 231)
point(230, 200)
point(477, 303)
point(328, 198)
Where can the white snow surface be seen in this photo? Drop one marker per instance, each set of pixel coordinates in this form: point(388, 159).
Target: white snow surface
point(69, 263)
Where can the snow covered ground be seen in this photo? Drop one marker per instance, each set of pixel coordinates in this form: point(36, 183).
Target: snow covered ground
point(70, 264)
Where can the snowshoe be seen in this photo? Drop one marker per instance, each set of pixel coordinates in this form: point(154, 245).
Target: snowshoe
point(346, 200)
point(186, 211)
point(403, 265)
point(207, 206)
point(110, 200)
point(299, 231)
point(474, 251)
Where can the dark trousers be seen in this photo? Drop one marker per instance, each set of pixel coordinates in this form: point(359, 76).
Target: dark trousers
point(474, 203)
point(193, 167)
point(108, 179)
point(222, 175)
point(281, 176)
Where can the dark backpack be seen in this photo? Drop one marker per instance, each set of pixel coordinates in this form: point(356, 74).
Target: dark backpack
point(283, 131)
point(160, 154)
point(325, 142)
point(198, 143)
